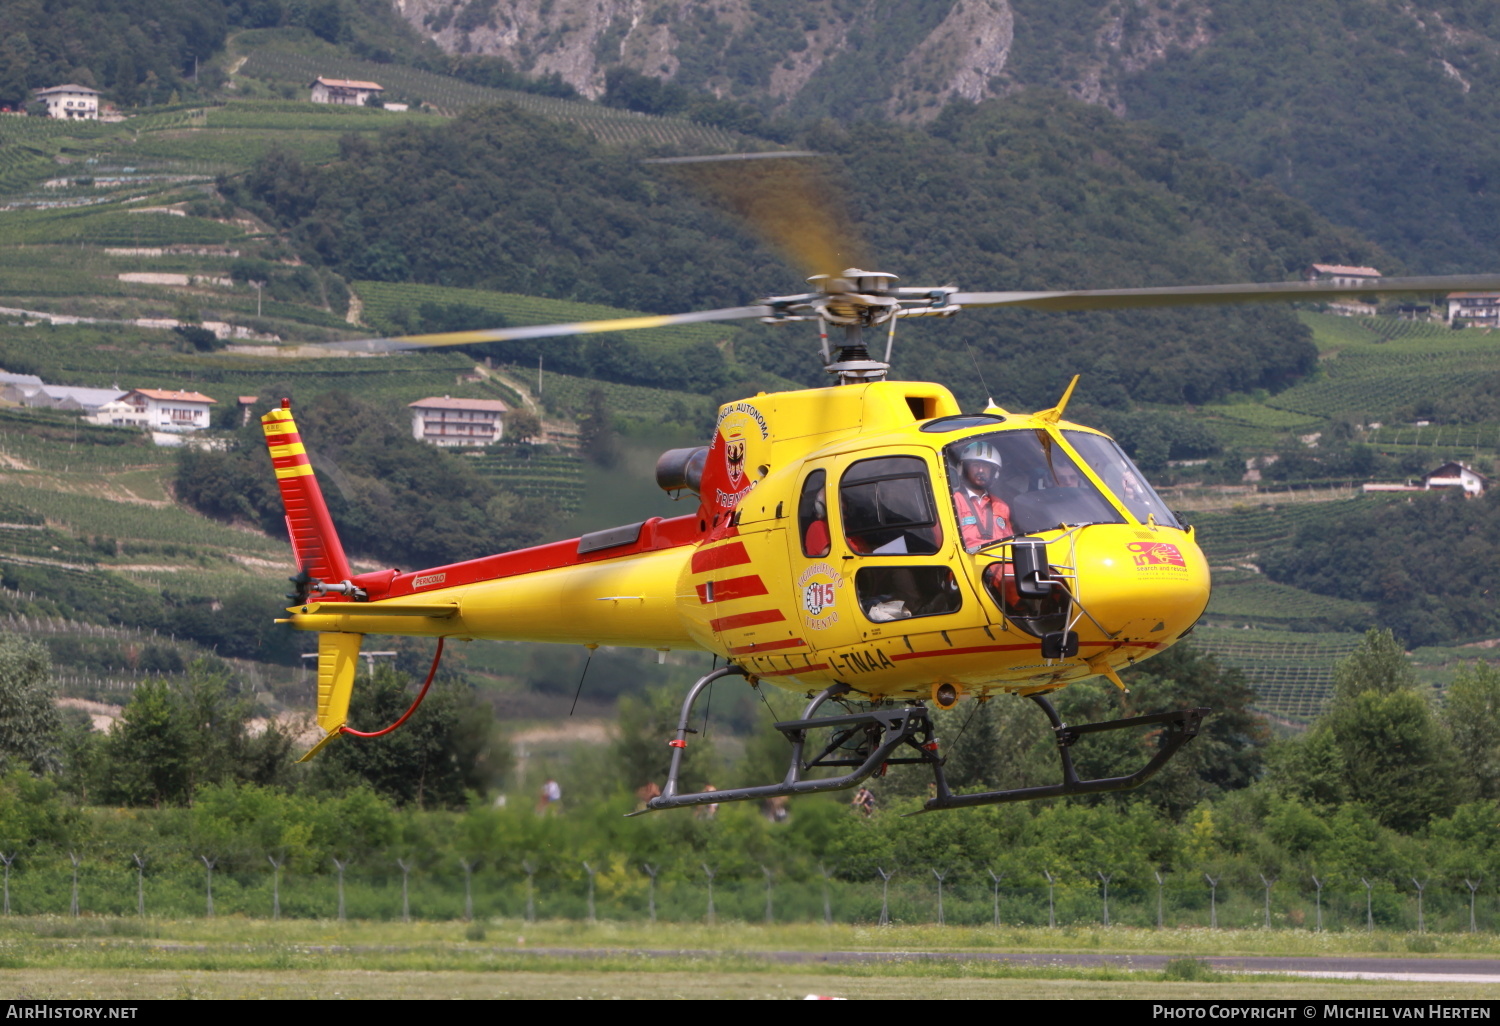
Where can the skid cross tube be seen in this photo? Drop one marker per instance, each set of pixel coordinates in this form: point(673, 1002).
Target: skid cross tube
point(1182, 727)
point(903, 725)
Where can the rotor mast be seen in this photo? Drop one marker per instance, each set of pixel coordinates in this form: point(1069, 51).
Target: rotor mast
point(858, 301)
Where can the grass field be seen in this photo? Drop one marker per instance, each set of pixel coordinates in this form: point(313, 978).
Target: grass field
point(125, 959)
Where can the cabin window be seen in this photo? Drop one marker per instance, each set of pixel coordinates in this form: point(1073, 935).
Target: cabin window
point(812, 515)
point(1009, 483)
point(901, 592)
point(887, 508)
point(1121, 476)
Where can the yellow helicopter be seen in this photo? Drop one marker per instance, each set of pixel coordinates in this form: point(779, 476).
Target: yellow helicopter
point(869, 544)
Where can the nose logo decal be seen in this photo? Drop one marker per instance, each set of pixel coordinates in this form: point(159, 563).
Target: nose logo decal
point(1154, 554)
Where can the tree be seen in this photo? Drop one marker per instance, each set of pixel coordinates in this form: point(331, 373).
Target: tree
point(148, 751)
point(30, 727)
point(596, 431)
point(1379, 664)
point(523, 426)
point(1378, 744)
point(175, 738)
point(437, 759)
point(1472, 713)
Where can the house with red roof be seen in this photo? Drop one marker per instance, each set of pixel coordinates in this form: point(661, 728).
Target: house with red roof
point(168, 410)
point(448, 422)
point(1481, 309)
point(345, 91)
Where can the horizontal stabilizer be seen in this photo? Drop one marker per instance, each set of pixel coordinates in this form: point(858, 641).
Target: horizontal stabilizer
point(440, 610)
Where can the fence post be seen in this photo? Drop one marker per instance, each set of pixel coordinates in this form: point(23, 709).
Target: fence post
point(340, 867)
point(651, 890)
point(209, 863)
point(1369, 911)
point(468, 868)
point(275, 887)
point(1319, 885)
point(140, 886)
point(996, 877)
point(1421, 887)
point(591, 871)
point(73, 905)
point(529, 868)
point(1268, 882)
point(885, 896)
point(405, 903)
point(1106, 879)
point(940, 893)
point(1213, 902)
point(1159, 882)
point(827, 896)
point(709, 873)
point(7, 860)
point(1473, 886)
point(1051, 905)
point(769, 877)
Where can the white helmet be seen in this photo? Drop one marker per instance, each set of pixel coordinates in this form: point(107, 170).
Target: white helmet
point(981, 451)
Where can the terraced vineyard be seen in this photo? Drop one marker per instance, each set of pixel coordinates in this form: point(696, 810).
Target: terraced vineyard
point(1245, 598)
point(609, 125)
point(568, 395)
point(1292, 673)
point(1231, 536)
point(1376, 366)
point(113, 225)
point(556, 477)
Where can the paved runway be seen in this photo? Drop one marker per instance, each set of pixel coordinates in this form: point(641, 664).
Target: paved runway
point(1401, 967)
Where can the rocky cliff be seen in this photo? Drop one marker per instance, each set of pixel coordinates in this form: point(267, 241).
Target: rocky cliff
point(897, 57)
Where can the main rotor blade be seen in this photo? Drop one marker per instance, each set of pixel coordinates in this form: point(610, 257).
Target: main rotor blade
point(463, 338)
point(1185, 295)
point(794, 205)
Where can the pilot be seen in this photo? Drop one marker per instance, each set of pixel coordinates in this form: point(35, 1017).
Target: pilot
point(982, 517)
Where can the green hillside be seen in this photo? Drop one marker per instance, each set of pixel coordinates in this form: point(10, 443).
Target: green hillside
point(283, 65)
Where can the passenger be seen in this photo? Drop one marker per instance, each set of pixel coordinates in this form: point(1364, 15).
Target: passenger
point(815, 542)
point(982, 517)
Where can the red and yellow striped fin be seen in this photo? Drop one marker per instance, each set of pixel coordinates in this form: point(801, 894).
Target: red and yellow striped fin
point(314, 540)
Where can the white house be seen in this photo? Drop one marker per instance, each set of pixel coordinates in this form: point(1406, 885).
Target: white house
point(451, 422)
point(71, 101)
point(1481, 309)
point(1341, 274)
point(1456, 475)
point(166, 410)
point(345, 91)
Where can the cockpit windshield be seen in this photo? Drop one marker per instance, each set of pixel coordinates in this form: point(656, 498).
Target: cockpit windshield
point(1011, 483)
point(1122, 477)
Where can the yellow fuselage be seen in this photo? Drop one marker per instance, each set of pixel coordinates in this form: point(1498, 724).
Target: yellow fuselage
point(745, 588)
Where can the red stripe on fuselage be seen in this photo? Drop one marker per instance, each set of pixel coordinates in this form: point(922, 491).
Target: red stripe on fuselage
point(720, 556)
point(899, 656)
point(731, 589)
point(769, 646)
point(738, 620)
point(655, 534)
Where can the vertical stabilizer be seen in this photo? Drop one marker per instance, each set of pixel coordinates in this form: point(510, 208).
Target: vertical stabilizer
point(314, 541)
point(338, 658)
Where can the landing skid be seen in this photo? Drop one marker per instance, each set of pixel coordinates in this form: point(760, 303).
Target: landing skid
point(886, 731)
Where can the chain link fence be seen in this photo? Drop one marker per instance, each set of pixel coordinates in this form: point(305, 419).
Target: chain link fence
point(395, 886)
